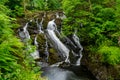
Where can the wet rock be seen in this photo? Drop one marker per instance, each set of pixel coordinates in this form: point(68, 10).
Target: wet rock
point(54, 57)
point(41, 42)
point(100, 70)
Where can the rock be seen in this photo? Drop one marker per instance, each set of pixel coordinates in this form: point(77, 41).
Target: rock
point(54, 57)
point(101, 71)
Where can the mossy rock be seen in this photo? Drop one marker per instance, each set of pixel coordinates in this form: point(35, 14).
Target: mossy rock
point(41, 42)
point(32, 28)
point(53, 56)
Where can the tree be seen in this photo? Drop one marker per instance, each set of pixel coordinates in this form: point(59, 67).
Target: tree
point(96, 21)
point(13, 63)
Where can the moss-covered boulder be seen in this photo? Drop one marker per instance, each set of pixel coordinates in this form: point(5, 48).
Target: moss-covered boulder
point(54, 57)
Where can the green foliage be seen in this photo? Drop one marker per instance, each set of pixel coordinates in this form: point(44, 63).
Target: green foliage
point(14, 65)
point(45, 4)
point(97, 22)
point(53, 4)
point(16, 7)
point(20, 7)
point(36, 4)
point(111, 54)
point(107, 14)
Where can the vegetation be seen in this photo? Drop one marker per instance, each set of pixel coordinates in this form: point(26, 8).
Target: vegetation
point(14, 64)
point(20, 7)
point(97, 23)
point(15, 59)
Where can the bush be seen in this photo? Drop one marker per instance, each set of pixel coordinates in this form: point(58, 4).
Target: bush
point(110, 54)
point(14, 65)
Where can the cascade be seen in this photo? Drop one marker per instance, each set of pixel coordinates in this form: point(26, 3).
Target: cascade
point(23, 33)
point(52, 35)
point(35, 41)
point(64, 48)
point(57, 15)
point(27, 36)
point(46, 49)
point(35, 54)
point(51, 25)
point(77, 42)
point(61, 48)
point(39, 25)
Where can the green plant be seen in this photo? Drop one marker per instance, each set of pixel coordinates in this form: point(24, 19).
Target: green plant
point(110, 54)
point(14, 64)
point(97, 23)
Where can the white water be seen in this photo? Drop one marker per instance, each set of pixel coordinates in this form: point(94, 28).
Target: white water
point(27, 36)
point(55, 73)
point(79, 60)
point(24, 34)
point(77, 42)
point(55, 41)
point(61, 48)
point(46, 49)
point(57, 15)
point(35, 54)
point(35, 41)
point(51, 25)
point(39, 25)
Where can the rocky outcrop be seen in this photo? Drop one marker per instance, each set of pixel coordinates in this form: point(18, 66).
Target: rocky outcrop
point(100, 70)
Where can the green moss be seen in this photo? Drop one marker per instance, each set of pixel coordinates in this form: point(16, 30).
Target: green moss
point(53, 58)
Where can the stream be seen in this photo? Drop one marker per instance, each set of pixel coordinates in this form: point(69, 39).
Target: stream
point(68, 73)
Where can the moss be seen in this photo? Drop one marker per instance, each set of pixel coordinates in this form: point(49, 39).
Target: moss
point(100, 70)
point(41, 42)
point(53, 58)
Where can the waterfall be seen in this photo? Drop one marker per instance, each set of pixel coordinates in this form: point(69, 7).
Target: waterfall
point(70, 45)
point(51, 25)
point(23, 33)
point(57, 44)
point(35, 54)
point(39, 25)
point(26, 31)
point(46, 49)
point(50, 42)
point(35, 41)
point(77, 42)
point(57, 15)
point(55, 73)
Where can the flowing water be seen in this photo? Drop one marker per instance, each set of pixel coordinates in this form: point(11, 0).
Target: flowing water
point(23, 33)
point(67, 68)
point(57, 44)
point(39, 25)
point(46, 49)
point(75, 73)
point(77, 42)
point(35, 54)
point(27, 36)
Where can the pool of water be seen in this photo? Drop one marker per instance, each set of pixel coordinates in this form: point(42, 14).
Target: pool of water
point(67, 73)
